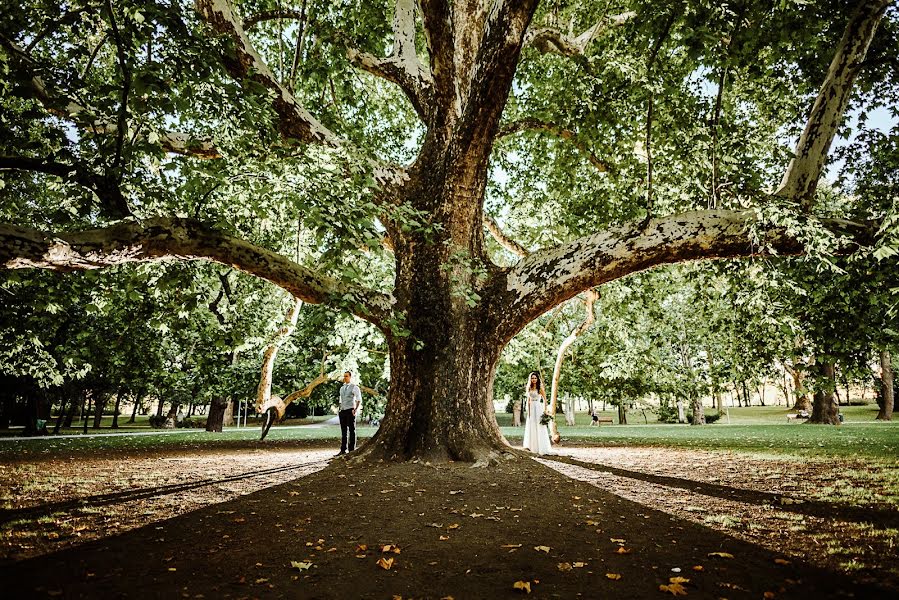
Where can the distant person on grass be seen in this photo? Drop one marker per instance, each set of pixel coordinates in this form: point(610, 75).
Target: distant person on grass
point(350, 399)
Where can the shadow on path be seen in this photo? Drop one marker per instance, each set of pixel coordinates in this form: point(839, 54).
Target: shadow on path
point(812, 508)
point(7, 515)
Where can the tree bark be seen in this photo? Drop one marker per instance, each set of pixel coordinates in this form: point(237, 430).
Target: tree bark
point(171, 418)
point(681, 414)
point(102, 399)
point(622, 414)
point(216, 417)
point(698, 417)
point(886, 387)
point(73, 406)
point(264, 390)
point(825, 410)
point(115, 412)
point(803, 402)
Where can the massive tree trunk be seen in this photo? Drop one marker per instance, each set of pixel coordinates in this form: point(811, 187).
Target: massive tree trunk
point(216, 417)
point(825, 409)
point(886, 387)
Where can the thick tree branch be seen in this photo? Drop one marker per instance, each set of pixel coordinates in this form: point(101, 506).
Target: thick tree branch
point(545, 279)
point(558, 131)
point(801, 177)
point(550, 40)
point(294, 121)
point(185, 239)
point(403, 66)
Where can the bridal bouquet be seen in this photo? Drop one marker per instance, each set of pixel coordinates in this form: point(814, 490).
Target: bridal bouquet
point(546, 418)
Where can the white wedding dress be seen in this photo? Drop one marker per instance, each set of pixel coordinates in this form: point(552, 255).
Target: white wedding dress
point(536, 436)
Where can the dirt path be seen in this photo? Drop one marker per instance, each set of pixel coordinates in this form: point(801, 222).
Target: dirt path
point(454, 532)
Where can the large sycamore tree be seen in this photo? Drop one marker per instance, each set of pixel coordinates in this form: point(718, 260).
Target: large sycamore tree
point(221, 130)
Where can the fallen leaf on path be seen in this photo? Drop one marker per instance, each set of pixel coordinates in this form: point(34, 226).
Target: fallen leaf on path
point(721, 554)
point(678, 580)
point(435, 525)
point(361, 548)
point(261, 580)
point(542, 549)
point(454, 492)
point(675, 589)
point(564, 567)
point(453, 526)
point(613, 576)
point(301, 566)
point(475, 515)
point(391, 548)
point(523, 586)
point(623, 550)
point(781, 561)
point(578, 565)
point(698, 567)
point(443, 538)
point(511, 546)
point(385, 563)
point(769, 595)
point(616, 540)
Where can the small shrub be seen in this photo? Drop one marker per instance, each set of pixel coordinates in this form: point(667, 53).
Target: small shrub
point(667, 413)
point(711, 418)
point(156, 421)
point(192, 423)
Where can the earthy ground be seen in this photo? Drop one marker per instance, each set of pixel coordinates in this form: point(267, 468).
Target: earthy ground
point(245, 523)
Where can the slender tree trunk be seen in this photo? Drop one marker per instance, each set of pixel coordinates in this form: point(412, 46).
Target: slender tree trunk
point(681, 414)
point(62, 412)
point(570, 411)
point(825, 410)
point(171, 418)
point(886, 387)
point(86, 409)
point(264, 398)
point(137, 400)
point(73, 406)
point(99, 407)
point(159, 406)
point(698, 411)
point(622, 414)
point(115, 412)
point(747, 399)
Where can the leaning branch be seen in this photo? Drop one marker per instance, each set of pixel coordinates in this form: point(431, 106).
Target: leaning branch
point(185, 239)
point(550, 40)
point(801, 177)
point(504, 240)
point(558, 131)
point(403, 66)
point(548, 278)
point(245, 64)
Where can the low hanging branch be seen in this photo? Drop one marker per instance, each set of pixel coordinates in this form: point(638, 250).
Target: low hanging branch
point(185, 239)
point(801, 177)
point(590, 298)
point(504, 240)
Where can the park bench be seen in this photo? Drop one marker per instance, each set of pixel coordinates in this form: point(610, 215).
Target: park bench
point(601, 420)
point(796, 416)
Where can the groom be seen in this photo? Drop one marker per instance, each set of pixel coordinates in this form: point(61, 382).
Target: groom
point(350, 399)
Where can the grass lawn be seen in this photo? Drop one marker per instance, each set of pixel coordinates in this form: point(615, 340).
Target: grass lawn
point(757, 429)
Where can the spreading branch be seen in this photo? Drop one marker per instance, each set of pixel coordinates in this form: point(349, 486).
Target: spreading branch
point(264, 389)
point(272, 15)
point(801, 177)
point(245, 64)
point(403, 66)
point(558, 131)
point(550, 277)
point(185, 239)
point(550, 40)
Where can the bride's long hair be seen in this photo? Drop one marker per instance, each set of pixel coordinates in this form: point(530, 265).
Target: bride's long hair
point(527, 385)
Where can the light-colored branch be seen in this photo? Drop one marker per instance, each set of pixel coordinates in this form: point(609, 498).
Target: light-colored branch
point(504, 240)
point(551, 40)
point(271, 15)
point(590, 298)
point(801, 177)
point(545, 279)
point(403, 66)
point(558, 131)
point(264, 390)
point(294, 121)
point(185, 239)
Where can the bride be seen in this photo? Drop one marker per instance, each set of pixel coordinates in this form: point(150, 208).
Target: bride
point(536, 436)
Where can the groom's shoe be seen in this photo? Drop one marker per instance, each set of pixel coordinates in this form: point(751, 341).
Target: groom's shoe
point(341, 453)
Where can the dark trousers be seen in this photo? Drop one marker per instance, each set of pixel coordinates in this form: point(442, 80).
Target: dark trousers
point(347, 430)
